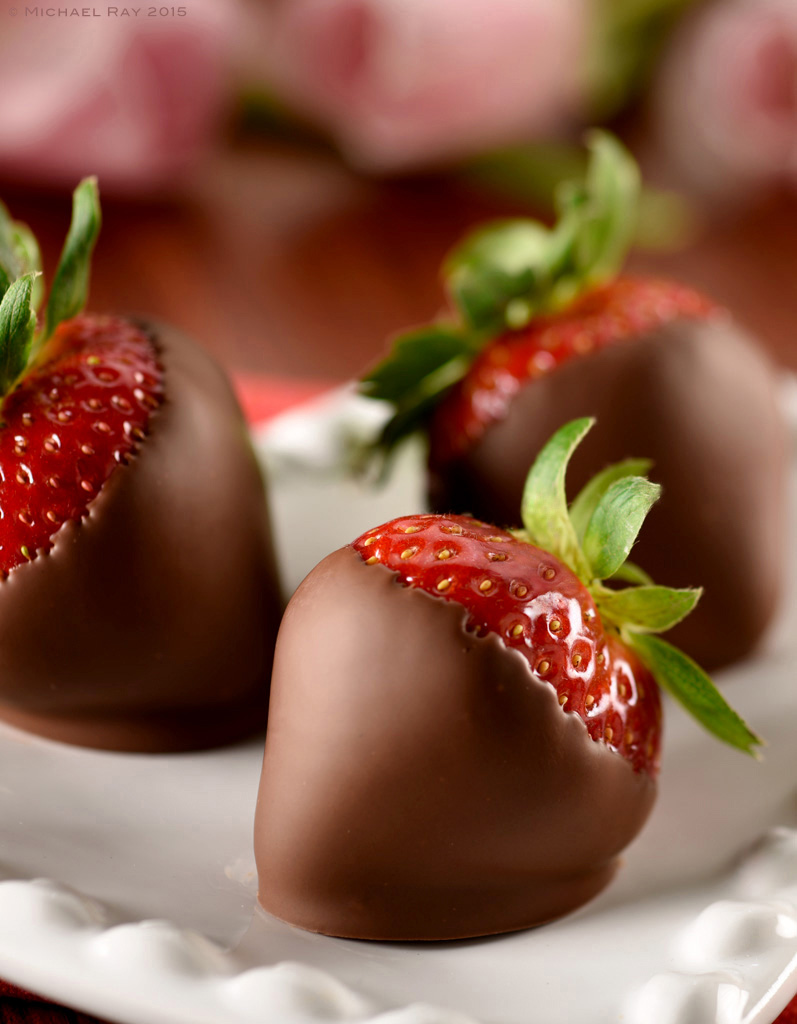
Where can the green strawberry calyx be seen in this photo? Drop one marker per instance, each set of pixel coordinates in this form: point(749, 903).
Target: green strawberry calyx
point(593, 536)
point(505, 274)
point(22, 340)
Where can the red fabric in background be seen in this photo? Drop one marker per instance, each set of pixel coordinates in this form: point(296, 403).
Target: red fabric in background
point(19, 1007)
point(262, 398)
point(789, 1015)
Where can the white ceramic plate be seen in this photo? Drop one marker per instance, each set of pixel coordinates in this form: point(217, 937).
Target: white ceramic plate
point(150, 917)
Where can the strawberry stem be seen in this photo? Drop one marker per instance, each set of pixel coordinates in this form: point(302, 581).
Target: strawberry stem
point(594, 537)
point(70, 289)
point(505, 274)
point(22, 283)
point(17, 327)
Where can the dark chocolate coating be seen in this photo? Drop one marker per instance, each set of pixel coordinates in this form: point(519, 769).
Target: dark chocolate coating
point(419, 782)
point(150, 625)
point(699, 399)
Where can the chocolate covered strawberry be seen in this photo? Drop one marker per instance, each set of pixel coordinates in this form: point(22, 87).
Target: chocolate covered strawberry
point(465, 723)
point(138, 603)
point(539, 607)
point(543, 329)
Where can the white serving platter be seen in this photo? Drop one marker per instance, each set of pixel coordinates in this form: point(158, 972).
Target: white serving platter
point(148, 912)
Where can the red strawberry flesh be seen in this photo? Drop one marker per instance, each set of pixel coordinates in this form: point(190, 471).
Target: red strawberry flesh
point(68, 425)
point(621, 311)
point(538, 607)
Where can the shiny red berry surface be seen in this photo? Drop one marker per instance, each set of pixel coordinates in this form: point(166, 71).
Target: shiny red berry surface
point(539, 608)
point(72, 421)
point(626, 309)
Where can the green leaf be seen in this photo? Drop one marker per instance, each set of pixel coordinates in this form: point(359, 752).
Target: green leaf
point(684, 680)
point(413, 357)
point(420, 368)
point(9, 260)
point(616, 522)
point(507, 262)
point(544, 504)
point(413, 412)
point(71, 282)
point(629, 572)
point(509, 271)
point(531, 173)
point(17, 326)
point(650, 609)
point(30, 260)
point(587, 501)
point(613, 185)
point(19, 254)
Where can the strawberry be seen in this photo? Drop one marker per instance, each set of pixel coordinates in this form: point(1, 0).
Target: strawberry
point(79, 392)
point(622, 310)
point(543, 329)
point(589, 641)
point(537, 606)
point(67, 425)
point(465, 722)
point(132, 519)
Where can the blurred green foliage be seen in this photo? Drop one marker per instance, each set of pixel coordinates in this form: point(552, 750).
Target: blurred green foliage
point(530, 174)
point(628, 39)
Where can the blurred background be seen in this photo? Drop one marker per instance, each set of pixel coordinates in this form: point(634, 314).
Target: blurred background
point(281, 178)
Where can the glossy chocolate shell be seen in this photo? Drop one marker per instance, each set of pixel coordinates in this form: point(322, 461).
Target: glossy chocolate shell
point(700, 399)
point(419, 782)
point(150, 624)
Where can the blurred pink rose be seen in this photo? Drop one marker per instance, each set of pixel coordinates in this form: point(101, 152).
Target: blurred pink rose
point(401, 82)
point(727, 96)
point(132, 100)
